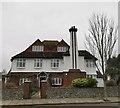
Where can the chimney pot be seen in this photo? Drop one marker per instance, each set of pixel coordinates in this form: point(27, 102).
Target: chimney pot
point(73, 29)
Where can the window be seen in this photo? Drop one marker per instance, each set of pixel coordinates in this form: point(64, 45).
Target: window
point(90, 63)
point(94, 76)
point(93, 64)
point(87, 64)
point(22, 80)
point(37, 63)
point(62, 49)
point(21, 63)
point(56, 81)
point(91, 76)
point(37, 48)
point(54, 63)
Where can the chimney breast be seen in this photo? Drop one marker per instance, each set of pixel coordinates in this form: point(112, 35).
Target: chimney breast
point(73, 47)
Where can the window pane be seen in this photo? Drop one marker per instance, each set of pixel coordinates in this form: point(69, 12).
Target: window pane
point(56, 81)
point(37, 63)
point(21, 63)
point(37, 48)
point(54, 63)
point(61, 49)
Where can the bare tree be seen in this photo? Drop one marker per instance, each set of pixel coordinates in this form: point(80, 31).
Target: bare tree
point(4, 72)
point(100, 41)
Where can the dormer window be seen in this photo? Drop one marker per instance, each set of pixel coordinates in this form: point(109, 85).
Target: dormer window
point(37, 48)
point(62, 49)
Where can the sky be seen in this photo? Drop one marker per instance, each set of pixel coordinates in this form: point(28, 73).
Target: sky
point(25, 22)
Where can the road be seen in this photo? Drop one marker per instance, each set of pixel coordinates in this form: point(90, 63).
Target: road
point(105, 105)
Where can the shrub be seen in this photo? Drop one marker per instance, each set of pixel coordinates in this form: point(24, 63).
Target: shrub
point(111, 83)
point(84, 82)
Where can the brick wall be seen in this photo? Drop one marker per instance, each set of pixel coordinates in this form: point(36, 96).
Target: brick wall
point(67, 77)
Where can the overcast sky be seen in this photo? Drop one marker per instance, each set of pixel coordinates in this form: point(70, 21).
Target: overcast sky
point(23, 23)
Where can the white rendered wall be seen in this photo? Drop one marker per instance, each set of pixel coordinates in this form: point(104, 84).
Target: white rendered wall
point(100, 82)
point(81, 64)
point(64, 65)
point(90, 70)
point(29, 66)
point(67, 63)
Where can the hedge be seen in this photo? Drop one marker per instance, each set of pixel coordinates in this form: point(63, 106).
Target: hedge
point(84, 82)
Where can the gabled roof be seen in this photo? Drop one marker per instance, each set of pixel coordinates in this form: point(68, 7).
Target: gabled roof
point(86, 54)
point(62, 43)
point(37, 42)
point(50, 45)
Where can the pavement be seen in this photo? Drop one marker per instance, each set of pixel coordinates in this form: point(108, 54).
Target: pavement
point(59, 101)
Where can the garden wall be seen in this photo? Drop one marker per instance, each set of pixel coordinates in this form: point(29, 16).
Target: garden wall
point(72, 92)
point(12, 93)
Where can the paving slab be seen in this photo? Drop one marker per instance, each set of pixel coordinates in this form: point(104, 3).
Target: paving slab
point(58, 101)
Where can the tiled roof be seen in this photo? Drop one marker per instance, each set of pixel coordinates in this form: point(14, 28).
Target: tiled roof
point(86, 54)
point(62, 43)
point(46, 55)
point(49, 44)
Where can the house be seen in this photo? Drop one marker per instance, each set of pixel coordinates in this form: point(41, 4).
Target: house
point(54, 61)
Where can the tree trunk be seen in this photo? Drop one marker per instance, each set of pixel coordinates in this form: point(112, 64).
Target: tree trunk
point(105, 90)
point(105, 97)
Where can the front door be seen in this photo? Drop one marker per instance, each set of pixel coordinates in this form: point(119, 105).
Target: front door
point(42, 76)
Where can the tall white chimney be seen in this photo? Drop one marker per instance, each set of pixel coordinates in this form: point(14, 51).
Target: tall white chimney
point(73, 48)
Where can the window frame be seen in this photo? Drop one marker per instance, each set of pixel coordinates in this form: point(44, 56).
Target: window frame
point(90, 63)
point(23, 80)
point(62, 49)
point(21, 63)
point(38, 62)
point(91, 76)
point(37, 48)
point(56, 81)
point(55, 63)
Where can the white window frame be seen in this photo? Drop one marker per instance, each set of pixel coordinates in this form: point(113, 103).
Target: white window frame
point(55, 63)
point(37, 48)
point(62, 49)
point(56, 81)
point(90, 63)
point(89, 76)
point(21, 63)
point(38, 63)
point(23, 80)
